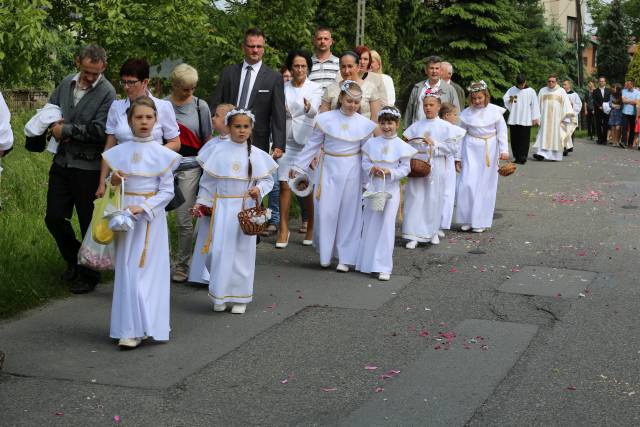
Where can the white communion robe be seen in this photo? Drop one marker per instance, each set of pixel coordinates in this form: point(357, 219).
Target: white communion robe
point(576, 105)
point(379, 228)
point(485, 140)
point(337, 194)
point(556, 123)
point(230, 254)
point(198, 271)
point(425, 198)
point(523, 106)
point(142, 275)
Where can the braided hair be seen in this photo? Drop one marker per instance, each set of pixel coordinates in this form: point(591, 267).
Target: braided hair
point(249, 166)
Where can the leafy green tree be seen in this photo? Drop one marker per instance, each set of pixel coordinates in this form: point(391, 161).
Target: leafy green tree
point(612, 53)
point(633, 72)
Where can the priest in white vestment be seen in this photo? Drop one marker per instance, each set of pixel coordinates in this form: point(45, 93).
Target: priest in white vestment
point(524, 112)
point(556, 125)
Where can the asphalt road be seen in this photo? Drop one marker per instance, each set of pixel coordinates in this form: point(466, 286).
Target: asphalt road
point(534, 322)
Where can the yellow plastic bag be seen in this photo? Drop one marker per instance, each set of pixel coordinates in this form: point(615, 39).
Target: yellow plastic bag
point(100, 225)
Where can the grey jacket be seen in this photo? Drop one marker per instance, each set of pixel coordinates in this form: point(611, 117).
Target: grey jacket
point(83, 136)
point(414, 113)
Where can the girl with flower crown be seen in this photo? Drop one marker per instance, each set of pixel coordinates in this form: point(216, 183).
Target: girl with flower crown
point(141, 286)
point(232, 171)
point(426, 197)
point(484, 144)
point(339, 135)
point(385, 160)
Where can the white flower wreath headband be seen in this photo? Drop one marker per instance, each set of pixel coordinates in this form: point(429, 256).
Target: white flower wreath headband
point(393, 112)
point(345, 88)
point(477, 86)
point(237, 111)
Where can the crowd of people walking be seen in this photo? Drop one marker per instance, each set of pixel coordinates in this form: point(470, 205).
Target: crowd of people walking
point(327, 121)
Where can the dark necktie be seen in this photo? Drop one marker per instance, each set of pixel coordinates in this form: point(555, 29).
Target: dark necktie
point(245, 88)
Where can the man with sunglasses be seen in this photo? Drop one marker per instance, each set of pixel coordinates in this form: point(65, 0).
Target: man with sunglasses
point(84, 98)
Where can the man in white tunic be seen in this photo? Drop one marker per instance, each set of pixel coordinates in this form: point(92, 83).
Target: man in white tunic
point(576, 105)
point(524, 111)
point(555, 130)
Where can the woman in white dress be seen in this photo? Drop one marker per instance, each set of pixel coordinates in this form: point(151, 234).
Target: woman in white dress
point(350, 70)
point(134, 78)
point(376, 67)
point(425, 197)
point(385, 159)
point(484, 144)
point(302, 98)
point(233, 170)
point(140, 306)
point(339, 134)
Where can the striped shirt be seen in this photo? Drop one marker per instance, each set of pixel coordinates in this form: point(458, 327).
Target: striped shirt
point(324, 73)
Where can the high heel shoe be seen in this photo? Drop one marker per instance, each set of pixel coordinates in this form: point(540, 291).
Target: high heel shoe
point(282, 245)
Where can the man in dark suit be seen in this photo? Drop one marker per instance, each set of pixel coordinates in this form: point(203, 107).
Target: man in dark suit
point(601, 95)
point(254, 86)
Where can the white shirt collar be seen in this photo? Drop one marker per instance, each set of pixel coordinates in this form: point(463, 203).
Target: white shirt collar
point(76, 79)
point(255, 67)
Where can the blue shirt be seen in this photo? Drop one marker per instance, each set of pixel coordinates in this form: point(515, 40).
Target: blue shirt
point(630, 109)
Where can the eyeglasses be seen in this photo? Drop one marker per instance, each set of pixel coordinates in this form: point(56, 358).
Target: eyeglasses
point(551, 81)
point(254, 46)
point(126, 83)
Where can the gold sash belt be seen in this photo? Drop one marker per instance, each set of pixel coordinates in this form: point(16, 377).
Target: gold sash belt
point(216, 196)
point(146, 234)
point(486, 139)
point(327, 153)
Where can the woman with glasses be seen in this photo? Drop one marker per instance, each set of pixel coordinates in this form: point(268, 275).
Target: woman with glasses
point(134, 79)
point(194, 121)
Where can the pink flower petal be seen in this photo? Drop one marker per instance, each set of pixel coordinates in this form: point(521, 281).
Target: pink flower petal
point(116, 419)
point(424, 333)
point(370, 367)
point(59, 414)
point(328, 389)
point(284, 381)
point(571, 388)
point(453, 270)
point(272, 306)
point(378, 390)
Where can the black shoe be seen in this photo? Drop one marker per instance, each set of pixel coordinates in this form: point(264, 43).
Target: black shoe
point(570, 150)
point(82, 286)
point(621, 145)
point(70, 273)
point(538, 157)
point(565, 153)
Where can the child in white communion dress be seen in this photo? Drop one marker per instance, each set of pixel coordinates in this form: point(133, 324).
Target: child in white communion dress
point(339, 134)
point(425, 197)
point(198, 270)
point(385, 159)
point(140, 306)
point(485, 142)
point(232, 171)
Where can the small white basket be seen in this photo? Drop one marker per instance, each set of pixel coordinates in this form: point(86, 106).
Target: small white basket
point(294, 184)
point(377, 199)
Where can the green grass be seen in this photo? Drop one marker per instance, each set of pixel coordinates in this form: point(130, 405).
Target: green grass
point(30, 261)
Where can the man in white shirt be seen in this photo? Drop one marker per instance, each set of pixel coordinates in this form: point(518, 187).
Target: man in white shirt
point(630, 96)
point(325, 66)
point(414, 110)
point(524, 111)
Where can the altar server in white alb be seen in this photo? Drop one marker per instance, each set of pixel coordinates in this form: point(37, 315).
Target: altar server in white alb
point(572, 121)
point(482, 146)
point(556, 122)
point(524, 112)
point(233, 170)
point(385, 160)
point(140, 306)
point(198, 270)
point(339, 135)
point(425, 197)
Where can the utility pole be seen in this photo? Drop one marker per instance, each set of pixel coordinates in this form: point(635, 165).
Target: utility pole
point(579, 41)
point(360, 22)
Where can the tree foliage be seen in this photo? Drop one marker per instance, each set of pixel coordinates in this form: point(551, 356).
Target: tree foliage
point(612, 53)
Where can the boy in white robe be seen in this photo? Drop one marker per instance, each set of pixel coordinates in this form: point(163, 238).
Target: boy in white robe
point(385, 159)
point(576, 105)
point(198, 271)
point(524, 112)
point(233, 173)
point(141, 286)
point(484, 144)
point(449, 113)
point(425, 197)
point(339, 134)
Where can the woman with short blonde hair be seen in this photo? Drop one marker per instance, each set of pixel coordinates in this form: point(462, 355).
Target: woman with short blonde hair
point(184, 76)
point(376, 67)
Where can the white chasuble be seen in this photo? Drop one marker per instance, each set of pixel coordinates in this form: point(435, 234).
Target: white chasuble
point(556, 123)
